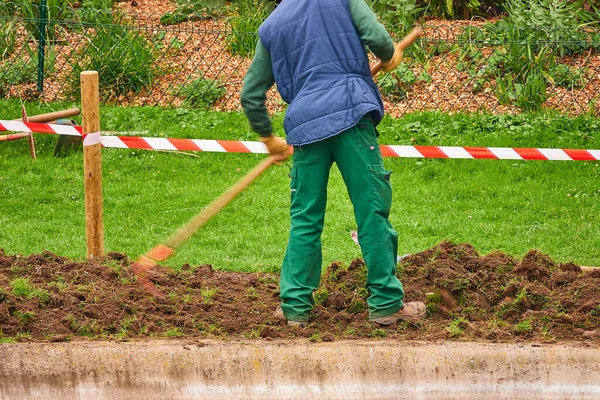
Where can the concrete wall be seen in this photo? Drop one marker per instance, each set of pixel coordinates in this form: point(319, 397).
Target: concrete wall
point(297, 370)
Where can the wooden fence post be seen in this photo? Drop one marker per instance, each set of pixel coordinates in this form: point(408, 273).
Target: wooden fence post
point(92, 164)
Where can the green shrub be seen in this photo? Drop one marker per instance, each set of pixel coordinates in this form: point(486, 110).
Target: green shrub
point(202, 92)
point(124, 59)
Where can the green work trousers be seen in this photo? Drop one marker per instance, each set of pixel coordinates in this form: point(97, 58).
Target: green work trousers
point(357, 155)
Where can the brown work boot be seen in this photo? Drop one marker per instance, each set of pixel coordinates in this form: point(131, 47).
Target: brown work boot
point(281, 316)
point(410, 312)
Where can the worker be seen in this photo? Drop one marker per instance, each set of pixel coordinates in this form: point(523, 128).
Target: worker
point(314, 51)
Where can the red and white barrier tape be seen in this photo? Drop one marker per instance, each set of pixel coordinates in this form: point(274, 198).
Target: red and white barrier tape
point(493, 153)
point(231, 146)
point(38, 127)
point(222, 146)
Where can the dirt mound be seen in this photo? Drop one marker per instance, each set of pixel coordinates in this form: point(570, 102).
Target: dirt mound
point(469, 297)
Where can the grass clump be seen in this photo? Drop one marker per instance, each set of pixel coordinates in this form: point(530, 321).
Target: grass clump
point(316, 337)
point(21, 287)
point(321, 295)
point(59, 283)
point(24, 317)
point(379, 333)
point(252, 294)
point(357, 306)
point(208, 294)
point(523, 327)
point(457, 327)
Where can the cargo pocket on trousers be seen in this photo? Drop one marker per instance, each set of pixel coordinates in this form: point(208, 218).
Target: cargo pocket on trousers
point(293, 180)
point(297, 163)
point(382, 189)
point(366, 135)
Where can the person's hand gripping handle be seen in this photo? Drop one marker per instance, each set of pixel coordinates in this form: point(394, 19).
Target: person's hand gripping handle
point(277, 147)
point(399, 48)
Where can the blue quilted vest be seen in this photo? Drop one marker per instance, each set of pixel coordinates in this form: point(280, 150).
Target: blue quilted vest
point(321, 69)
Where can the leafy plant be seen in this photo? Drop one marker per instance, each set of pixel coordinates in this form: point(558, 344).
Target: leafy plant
point(32, 14)
point(542, 21)
point(202, 92)
point(454, 9)
point(396, 84)
point(126, 62)
point(529, 95)
point(396, 13)
point(8, 39)
point(242, 36)
point(97, 4)
point(99, 12)
point(566, 76)
point(24, 69)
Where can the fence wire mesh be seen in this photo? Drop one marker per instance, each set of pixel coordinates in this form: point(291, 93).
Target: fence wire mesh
point(453, 67)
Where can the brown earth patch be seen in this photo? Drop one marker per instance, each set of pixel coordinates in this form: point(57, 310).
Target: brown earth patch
point(469, 297)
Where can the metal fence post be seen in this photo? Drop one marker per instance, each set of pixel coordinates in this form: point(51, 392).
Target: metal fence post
point(42, 23)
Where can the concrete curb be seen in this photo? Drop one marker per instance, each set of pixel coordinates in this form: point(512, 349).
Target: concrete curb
point(297, 370)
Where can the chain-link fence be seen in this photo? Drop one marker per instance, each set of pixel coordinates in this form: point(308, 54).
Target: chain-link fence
point(453, 67)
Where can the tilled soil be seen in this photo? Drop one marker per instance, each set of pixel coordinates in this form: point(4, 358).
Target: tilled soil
point(469, 297)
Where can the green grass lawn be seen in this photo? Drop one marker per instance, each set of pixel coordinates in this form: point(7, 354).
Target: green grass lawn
point(511, 206)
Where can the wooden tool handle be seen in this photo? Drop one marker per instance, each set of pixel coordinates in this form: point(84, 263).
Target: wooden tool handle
point(53, 116)
point(403, 45)
point(166, 249)
point(410, 38)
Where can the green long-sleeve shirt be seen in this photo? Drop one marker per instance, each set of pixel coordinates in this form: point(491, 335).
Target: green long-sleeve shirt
point(259, 78)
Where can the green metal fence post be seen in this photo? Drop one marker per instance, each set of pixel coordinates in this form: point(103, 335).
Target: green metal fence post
point(43, 21)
